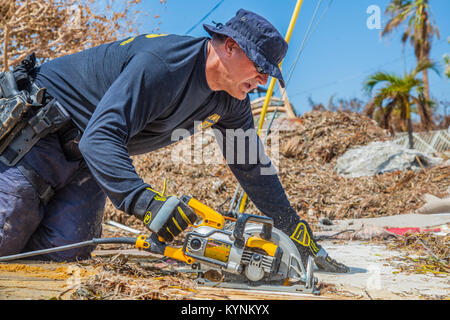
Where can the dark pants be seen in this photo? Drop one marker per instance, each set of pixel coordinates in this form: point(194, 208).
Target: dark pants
point(73, 214)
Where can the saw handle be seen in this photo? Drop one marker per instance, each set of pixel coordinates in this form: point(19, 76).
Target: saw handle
point(239, 228)
point(155, 245)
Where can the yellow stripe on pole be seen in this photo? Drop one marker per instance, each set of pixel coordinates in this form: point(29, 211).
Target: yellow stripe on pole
point(272, 84)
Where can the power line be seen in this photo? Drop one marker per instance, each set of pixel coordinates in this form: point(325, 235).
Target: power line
point(355, 75)
point(206, 16)
point(302, 46)
point(321, 17)
point(308, 36)
point(350, 77)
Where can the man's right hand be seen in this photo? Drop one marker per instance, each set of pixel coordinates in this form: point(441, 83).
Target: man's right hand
point(166, 216)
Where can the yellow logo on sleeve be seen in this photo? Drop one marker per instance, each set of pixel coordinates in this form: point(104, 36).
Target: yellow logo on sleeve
point(212, 119)
point(127, 41)
point(154, 35)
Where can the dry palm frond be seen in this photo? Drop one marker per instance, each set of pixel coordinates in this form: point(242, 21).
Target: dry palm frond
point(54, 28)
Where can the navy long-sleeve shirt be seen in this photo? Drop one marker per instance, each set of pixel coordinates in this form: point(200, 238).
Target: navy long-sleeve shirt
point(129, 97)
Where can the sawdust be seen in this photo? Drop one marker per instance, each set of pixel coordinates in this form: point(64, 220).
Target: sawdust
point(57, 273)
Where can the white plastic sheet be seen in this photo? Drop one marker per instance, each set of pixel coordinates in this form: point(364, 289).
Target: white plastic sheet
point(380, 157)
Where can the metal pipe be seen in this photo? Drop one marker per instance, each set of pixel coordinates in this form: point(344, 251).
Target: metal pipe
point(123, 227)
point(233, 200)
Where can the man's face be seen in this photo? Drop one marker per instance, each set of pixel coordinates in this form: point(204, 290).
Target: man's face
point(240, 76)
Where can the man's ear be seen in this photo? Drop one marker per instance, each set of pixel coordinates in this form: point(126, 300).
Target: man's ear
point(230, 45)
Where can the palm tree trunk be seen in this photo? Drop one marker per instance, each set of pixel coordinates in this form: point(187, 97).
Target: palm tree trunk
point(410, 136)
point(408, 118)
point(423, 55)
point(426, 84)
point(429, 123)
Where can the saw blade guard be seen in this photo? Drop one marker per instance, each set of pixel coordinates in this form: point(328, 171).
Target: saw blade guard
point(291, 266)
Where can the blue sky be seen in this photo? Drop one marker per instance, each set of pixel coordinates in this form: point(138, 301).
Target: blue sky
point(340, 53)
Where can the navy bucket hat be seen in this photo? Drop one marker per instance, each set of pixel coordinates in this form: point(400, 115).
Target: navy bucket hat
point(259, 39)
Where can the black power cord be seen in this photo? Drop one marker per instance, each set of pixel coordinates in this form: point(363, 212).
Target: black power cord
point(95, 241)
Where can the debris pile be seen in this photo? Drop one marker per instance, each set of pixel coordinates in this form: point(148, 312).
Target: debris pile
point(424, 253)
point(121, 279)
point(305, 157)
point(323, 136)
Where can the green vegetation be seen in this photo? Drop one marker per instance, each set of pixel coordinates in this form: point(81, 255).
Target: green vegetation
point(399, 94)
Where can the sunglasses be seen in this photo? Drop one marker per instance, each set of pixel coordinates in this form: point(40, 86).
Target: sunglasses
point(259, 69)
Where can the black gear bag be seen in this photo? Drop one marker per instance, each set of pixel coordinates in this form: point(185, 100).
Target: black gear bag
point(27, 113)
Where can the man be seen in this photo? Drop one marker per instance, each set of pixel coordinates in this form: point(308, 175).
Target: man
point(127, 98)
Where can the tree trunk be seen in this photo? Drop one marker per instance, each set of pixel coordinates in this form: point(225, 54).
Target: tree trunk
point(429, 123)
point(426, 84)
point(408, 118)
point(410, 135)
point(423, 55)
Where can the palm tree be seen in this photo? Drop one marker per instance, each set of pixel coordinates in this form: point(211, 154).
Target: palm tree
point(447, 62)
point(420, 30)
point(396, 97)
point(447, 65)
